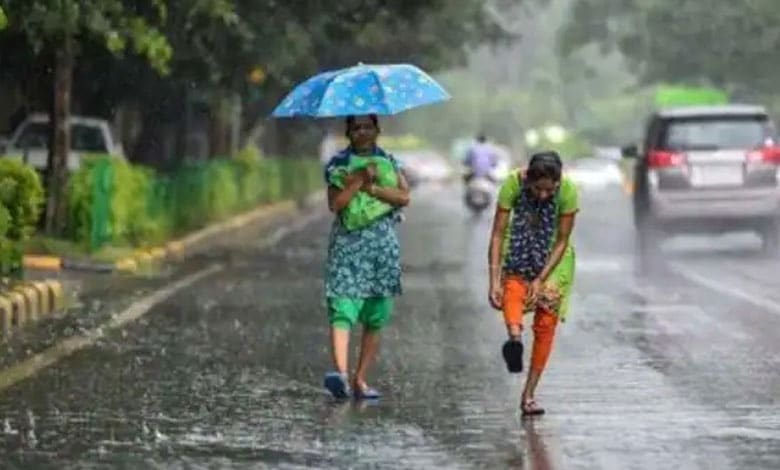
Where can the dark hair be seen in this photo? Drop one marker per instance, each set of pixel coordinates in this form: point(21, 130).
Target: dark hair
point(351, 120)
point(545, 165)
point(481, 137)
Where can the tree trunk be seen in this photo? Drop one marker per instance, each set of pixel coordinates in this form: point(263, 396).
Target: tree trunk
point(60, 141)
point(219, 131)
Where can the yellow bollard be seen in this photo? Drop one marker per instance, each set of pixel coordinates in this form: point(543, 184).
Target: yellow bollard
point(57, 295)
point(6, 316)
point(31, 301)
point(18, 308)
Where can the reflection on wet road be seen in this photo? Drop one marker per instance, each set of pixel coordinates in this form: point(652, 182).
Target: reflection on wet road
point(663, 372)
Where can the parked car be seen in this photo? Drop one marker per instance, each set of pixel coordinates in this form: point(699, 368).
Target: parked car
point(707, 169)
point(30, 141)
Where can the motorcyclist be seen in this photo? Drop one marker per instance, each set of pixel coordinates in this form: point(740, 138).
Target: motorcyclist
point(481, 159)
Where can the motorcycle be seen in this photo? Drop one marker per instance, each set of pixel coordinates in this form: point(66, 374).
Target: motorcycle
point(480, 191)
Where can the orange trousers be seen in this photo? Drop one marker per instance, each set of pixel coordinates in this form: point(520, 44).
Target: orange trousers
point(545, 321)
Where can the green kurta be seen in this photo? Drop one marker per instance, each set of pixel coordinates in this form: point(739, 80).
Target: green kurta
point(567, 202)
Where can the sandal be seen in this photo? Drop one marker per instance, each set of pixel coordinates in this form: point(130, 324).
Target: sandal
point(336, 384)
point(530, 408)
point(365, 392)
point(513, 355)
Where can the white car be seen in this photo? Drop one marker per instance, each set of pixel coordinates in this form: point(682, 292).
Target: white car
point(30, 141)
point(594, 173)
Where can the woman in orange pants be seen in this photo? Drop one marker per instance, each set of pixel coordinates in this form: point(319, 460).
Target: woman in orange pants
point(532, 261)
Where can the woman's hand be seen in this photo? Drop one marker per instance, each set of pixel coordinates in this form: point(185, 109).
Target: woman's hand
point(353, 178)
point(370, 172)
point(534, 289)
point(338, 198)
point(398, 196)
point(496, 296)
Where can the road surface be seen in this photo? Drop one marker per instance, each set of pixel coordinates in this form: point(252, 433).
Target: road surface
point(680, 370)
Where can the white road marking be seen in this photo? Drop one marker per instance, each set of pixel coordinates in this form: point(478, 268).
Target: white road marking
point(667, 308)
point(65, 348)
point(602, 265)
point(723, 288)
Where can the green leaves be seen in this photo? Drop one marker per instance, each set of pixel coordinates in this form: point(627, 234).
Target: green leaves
point(21, 195)
point(49, 22)
point(729, 44)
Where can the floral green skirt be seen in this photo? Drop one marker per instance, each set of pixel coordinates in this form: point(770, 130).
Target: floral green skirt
point(364, 263)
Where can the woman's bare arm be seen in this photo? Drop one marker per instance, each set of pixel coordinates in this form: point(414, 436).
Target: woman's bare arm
point(565, 227)
point(339, 198)
point(398, 196)
point(500, 221)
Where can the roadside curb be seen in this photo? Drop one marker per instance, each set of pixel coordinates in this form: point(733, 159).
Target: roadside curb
point(174, 250)
point(28, 302)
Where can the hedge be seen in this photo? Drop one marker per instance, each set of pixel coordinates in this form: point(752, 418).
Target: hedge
point(21, 201)
point(114, 202)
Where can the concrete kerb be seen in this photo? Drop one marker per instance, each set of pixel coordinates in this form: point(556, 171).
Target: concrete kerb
point(28, 302)
point(173, 250)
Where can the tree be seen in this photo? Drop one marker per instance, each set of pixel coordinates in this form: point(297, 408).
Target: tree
point(217, 43)
point(216, 48)
point(56, 29)
point(434, 34)
point(727, 44)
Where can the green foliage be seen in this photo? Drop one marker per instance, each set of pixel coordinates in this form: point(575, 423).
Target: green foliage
point(503, 112)
point(104, 203)
point(573, 147)
point(250, 177)
point(140, 208)
point(51, 24)
point(728, 44)
point(222, 189)
point(21, 196)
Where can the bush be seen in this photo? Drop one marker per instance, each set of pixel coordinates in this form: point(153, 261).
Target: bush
point(222, 190)
point(250, 176)
point(21, 199)
point(108, 203)
point(21, 193)
point(112, 201)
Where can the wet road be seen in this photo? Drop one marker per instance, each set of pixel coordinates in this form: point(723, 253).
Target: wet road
point(677, 371)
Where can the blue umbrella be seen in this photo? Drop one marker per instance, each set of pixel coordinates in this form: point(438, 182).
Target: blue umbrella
point(361, 90)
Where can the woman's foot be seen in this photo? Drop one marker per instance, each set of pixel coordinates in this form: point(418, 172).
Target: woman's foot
point(362, 391)
point(529, 407)
point(337, 385)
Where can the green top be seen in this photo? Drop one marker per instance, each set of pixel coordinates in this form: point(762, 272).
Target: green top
point(365, 209)
point(567, 201)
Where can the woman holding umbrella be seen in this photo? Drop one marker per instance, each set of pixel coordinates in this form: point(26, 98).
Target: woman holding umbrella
point(366, 191)
point(363, 270)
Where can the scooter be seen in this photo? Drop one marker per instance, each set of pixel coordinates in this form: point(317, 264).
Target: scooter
point(480, 191)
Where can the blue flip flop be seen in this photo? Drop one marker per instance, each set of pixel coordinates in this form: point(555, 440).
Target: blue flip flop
point(368, 394)
point(336, 383)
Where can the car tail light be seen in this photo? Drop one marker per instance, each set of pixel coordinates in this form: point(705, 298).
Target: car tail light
point(768, 154)
point(665, 159)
